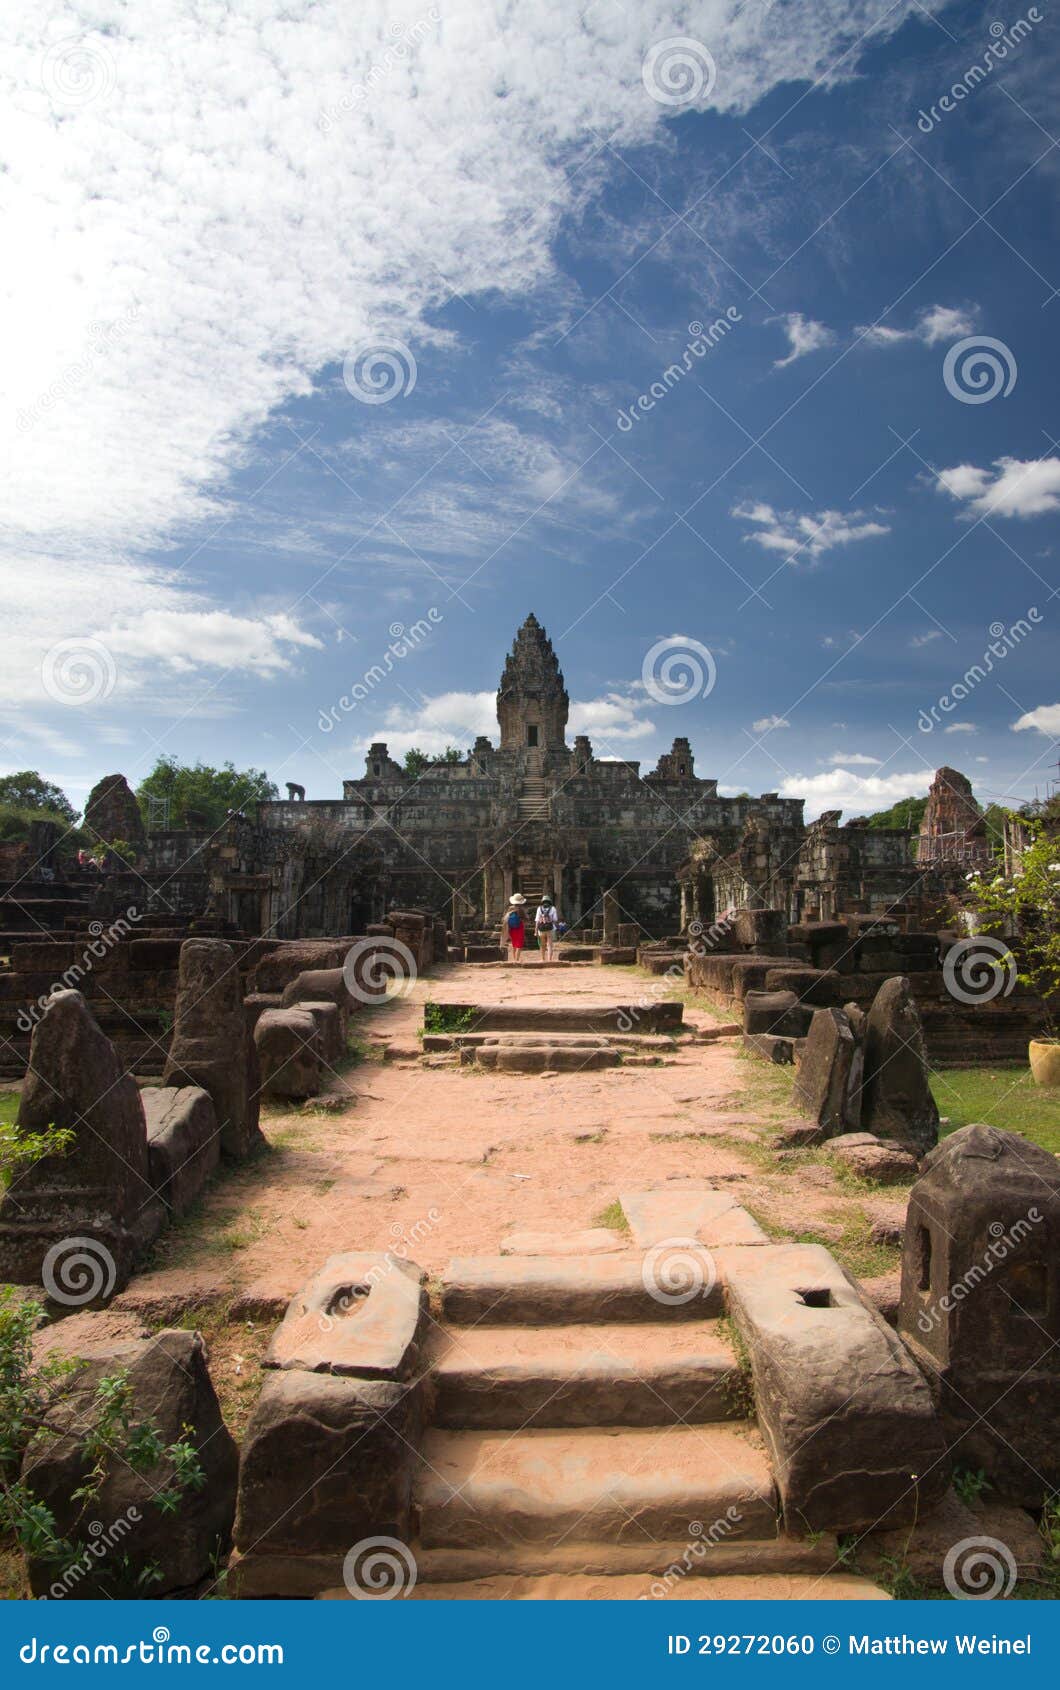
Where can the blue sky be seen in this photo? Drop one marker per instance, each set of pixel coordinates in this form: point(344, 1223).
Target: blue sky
point(213, 536)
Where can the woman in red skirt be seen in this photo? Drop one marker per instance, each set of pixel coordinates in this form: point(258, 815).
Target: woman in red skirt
point(516, 926)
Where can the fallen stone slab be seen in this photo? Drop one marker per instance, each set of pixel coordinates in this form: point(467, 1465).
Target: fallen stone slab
point(591, 1241)
point(676, 1212)
point(846, 1412)
point(771, 1048)
point(331, 1028)
point(183, 1142)
point(363, 1314)
point(525, 1058)
point(820, 988)
point(874, 1158)
point(780, 1013)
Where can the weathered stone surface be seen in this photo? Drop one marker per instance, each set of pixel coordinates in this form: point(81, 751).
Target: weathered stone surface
point(845, 1411)
point(980, 1291)
point(356, 1442)
point(549, 1290)
point(183, 1142)
point(771, 1048)
point(780, 1013)
point(171, 1385)
point(80, 1219)
point(211, 1047)
point(896, 1097)
point(688, 1211)
point(288, 1047)
point(884, 1292)
point(923, 1548)
point(112, 813)
point(364, 1313)
point(828, 1080)
point(319, 985)
point(591, 1241)
point(330, 1026)
point(874, 1158)
point(546, 1056)
point(818, 987)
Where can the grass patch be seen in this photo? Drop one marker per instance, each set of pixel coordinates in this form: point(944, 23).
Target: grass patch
point(614, 1216)
point(1003, 1095)
point(8, 1108)
point(738, 1388)
point(447, 1018)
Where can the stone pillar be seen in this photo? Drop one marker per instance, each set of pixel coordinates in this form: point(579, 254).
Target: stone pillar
point(980, 1305)
point(612, 918)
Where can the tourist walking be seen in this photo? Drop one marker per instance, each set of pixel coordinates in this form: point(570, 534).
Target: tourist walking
point(546, 922)
point(515, 922)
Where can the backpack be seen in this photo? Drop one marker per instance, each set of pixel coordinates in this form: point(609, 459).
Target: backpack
point(515, 919)
point(544, 920)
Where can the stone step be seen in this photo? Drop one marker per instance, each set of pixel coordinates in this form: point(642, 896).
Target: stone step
point(627, 1587)
point(660, 1043)
point(639, 1374)
point(623, 1485)
point(577, 1290)
point(543, 1055)
point(703, 1554)
point(664, 1017)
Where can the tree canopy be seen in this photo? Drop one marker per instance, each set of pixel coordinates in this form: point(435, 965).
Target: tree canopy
point(416, 760)
point(28, 790)
point(206, 792)
point(907, 812)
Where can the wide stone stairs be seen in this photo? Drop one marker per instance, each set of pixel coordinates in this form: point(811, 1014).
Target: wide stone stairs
point(590, 1440)
point(576, 1037)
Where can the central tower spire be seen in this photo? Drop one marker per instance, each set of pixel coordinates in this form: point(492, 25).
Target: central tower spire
point(532, 703)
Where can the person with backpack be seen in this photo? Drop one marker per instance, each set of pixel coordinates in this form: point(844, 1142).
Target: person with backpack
point(546, 922)
point(515, 924)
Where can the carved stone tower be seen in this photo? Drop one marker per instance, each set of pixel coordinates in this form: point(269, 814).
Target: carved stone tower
point(532, 702)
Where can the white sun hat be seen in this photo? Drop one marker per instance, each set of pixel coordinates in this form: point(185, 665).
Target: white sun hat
point(517, 898)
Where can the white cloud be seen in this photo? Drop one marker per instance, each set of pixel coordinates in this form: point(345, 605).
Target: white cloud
point(766, 724)
point(457, 718)
point(203, 211)
point(934, 324)
point(840, 789)
point(1046, 720)
point(960, 728)
point(926, 638)
point(793, 532)
point(804, 335)
point(852, 758)
point(1019, 487)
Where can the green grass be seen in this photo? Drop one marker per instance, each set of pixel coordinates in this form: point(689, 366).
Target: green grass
point(613, 1216)
point(8, 1108)
point(1004, 1096)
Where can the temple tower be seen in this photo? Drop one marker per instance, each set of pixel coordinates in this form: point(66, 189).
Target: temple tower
point(532, 702)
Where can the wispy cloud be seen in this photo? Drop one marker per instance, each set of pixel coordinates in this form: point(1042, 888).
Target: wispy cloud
point(767, 724)
point(795, 533)
point(936, 323)
point(804, 335)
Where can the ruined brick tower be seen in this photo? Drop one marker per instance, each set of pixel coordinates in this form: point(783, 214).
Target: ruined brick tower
point(532, 702)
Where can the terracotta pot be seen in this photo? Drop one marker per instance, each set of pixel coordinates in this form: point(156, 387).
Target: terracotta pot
point(1045, 1061)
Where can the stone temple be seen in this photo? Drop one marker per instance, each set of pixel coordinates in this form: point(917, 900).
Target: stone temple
point(526, 814)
